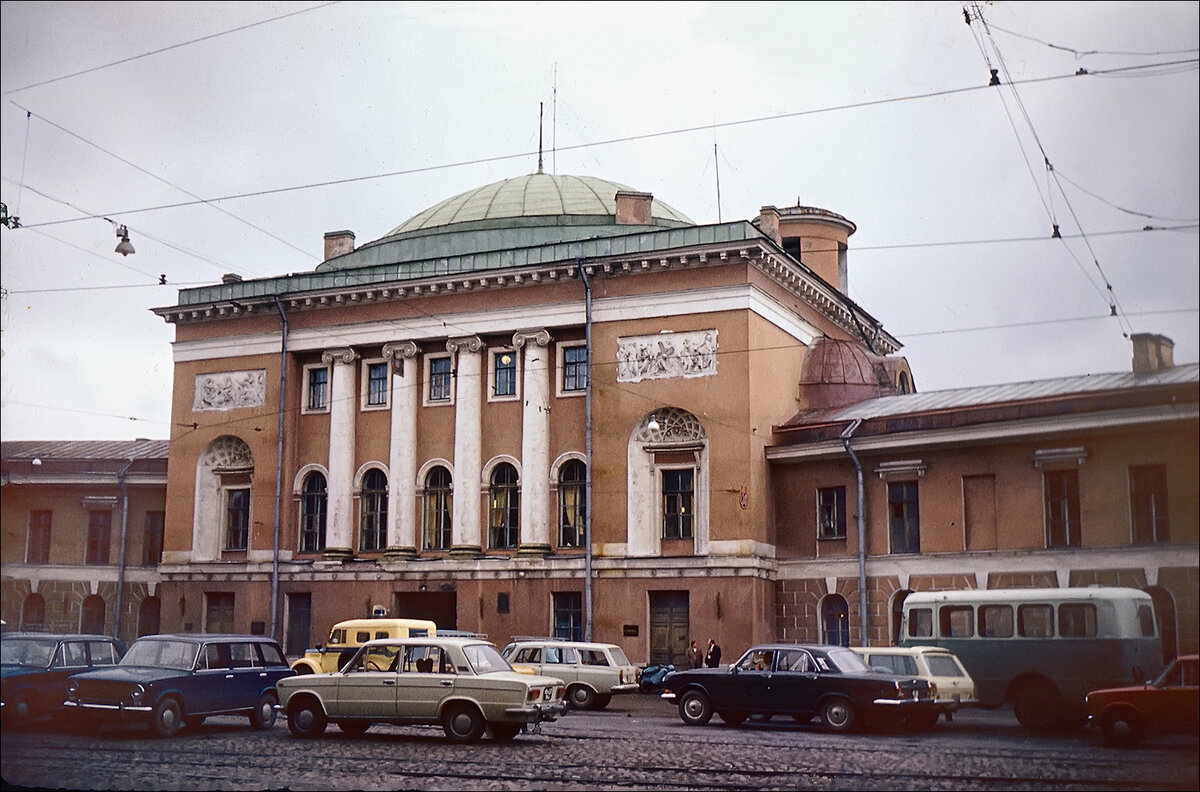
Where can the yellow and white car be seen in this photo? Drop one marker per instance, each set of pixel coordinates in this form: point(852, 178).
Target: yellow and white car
point(461, 684)
point(347, 636)
point(952, 685)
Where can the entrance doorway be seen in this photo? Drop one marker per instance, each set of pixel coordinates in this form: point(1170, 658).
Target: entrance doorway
point(669, 627)
point(299, 623)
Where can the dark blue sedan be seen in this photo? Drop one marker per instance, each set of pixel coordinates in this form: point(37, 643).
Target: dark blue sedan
point(35, 667)
point(165, 681)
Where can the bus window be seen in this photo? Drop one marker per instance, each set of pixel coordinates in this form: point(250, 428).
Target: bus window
point(920, 623)
point(996, 621)
point(1077, 620)
point(955, 621)
point(1146, 618)
point(1035, 621)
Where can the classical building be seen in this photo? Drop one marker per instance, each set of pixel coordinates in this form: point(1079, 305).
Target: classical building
point(1078, 481)
point(82, 535)
point(436, 421)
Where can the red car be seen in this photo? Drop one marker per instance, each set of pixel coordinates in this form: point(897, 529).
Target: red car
point(1168, 705)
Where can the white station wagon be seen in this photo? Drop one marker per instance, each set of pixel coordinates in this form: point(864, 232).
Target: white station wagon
point(461, 684)
point(593, 672)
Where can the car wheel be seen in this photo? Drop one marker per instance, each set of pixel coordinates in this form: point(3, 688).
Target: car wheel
point(354, 728)
point(732, 717)
point(1122, 728)
point(463, 723)
point(838, 715)
point(1037, 705)
point(581, 697)
point(694, 708)
point(602, 700)
point(167, 718)
point(504, 732)
point(306, 718)
point(263, 716)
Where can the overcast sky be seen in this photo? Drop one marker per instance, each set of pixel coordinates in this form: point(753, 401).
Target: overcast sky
point(293, 119)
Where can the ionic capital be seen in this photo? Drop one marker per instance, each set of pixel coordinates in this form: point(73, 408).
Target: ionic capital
point(344, 356)
point(464, 344)
point(533, 337)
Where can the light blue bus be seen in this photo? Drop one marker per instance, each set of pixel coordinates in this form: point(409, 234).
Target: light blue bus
point(1040, 649)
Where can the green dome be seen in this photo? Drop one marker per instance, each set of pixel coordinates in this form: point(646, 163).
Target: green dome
point(538, 195)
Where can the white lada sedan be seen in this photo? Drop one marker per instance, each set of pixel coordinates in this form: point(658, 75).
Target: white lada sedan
point(461, 684)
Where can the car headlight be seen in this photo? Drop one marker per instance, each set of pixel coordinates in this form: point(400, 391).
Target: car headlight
point(137, 694)
point(73, 690)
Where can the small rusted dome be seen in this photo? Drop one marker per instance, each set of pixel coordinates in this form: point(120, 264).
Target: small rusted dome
point(838, 373)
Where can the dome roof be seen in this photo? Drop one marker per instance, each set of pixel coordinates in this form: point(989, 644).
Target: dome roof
point(838, 372)
point(538, 195)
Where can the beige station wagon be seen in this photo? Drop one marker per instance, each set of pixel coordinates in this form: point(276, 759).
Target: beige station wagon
point(347, 636)
point(952, 685)
point(593, 672)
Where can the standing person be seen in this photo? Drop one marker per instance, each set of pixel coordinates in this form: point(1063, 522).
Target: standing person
point(712, 658)
point(694, 658)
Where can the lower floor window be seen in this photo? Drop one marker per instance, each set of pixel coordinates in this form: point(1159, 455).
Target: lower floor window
point(568, 615)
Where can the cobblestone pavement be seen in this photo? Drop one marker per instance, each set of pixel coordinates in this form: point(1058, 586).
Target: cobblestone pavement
point(637, 743)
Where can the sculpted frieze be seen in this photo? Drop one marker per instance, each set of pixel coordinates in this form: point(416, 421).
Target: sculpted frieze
point(667, 355)
point(229, 390)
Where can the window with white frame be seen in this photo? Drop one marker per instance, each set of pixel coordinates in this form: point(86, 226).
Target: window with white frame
point(316, 389)
point(313, 504)
point(374, 503)
point(572, 503)
point(678, 504)
point(439, 507)
point(237, 517)
point(831, 513)
point(439, 374)
point(376, 385)
point(573, 369)
point(505, 507)
point(503, 371)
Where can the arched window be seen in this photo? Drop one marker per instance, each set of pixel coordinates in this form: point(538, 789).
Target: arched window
point(835, 620)
point(91, 616)
point(373, 534)
point(149, 615)
point(222, 520)
point(439, 501)
point(572, 504)
point(505, 500)
point(33, 613)
point(312, 513)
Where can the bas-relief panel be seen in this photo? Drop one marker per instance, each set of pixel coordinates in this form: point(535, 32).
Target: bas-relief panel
point(667, 355)
point(229, 390)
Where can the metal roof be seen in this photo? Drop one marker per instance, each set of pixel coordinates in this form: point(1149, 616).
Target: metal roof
point(70, 450)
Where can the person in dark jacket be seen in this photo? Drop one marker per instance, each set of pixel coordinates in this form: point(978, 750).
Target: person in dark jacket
point(712, 658)
point(694, 658)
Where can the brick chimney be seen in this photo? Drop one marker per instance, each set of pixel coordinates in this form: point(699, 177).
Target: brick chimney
point(1152, 353)
point(338, 243)
point(633, 208)
point(768, 223)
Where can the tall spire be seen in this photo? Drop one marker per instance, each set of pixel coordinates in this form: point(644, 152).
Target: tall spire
point(541, 106)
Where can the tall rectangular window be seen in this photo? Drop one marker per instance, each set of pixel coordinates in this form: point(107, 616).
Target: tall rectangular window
point(318, 389)
point(99, 535)
point(1148, 503)
point(831, 513)
point(904, 517)
point(504, 382)
point(575, 373)
point(1062, 507)
point(568, 615)
point(237, 518)
point(37, 551)
point(218, 612)
point(152, 538)
point(678, 498)
point(439, 379)
point(377, 384)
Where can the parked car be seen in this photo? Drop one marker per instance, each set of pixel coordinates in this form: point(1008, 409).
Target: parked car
point(650, 678)
point(1168, 705)
point(594, 672)
point(36, 667)
point(952, 685)
point(347, 636)
point(462, 684)
point(829, 682)
point(166, 681)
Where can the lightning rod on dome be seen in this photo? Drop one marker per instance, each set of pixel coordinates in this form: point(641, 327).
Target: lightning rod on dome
point(541, 108)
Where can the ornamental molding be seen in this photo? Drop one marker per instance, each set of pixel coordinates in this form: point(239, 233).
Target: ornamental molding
point(464, 344)
point(534, 337)
point(344, 356)
point(229, 390)
point(396, 352)
point(667, 356)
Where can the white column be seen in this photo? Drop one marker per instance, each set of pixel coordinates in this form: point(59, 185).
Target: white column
point(468, 445)
point(403, 537)
point(343, 404)
point(535, 443)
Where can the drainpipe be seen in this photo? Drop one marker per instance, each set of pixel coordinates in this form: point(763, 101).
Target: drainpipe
point(278, 470)
point(587, 452)
point(862, 537)
point(121, 552)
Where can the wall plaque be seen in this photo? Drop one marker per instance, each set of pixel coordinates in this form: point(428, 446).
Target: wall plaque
point(667, 355)
point(229, 390)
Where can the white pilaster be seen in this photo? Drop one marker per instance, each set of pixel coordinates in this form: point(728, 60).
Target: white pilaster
point(468, 445)
point(343, 402)
point(402, 456)
point(535, 442)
